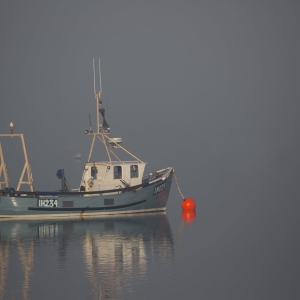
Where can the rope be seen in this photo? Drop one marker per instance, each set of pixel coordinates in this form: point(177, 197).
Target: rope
point(176, 181)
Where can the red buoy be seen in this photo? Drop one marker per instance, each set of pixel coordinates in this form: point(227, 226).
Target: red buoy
point(188, 204)
point(188, 215)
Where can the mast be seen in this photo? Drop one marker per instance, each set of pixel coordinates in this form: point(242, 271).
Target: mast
point(97, 95)
point(102, 129)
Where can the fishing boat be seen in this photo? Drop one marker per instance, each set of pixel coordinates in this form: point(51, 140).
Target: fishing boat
point(113, 186)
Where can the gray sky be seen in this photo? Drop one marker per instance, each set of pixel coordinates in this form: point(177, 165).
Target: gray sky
point(209, 87)
point(199, 85)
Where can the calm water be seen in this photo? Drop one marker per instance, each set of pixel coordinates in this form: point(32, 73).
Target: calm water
point(129, 257)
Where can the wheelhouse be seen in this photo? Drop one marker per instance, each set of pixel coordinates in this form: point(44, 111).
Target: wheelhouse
point(99, 176)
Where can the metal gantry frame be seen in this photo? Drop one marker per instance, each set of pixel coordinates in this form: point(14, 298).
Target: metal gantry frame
point(26, 167)
point(3, 170)
point(101, 133)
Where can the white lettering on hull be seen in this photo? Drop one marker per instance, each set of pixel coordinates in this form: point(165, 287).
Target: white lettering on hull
point(47, 203)
point(159, 188)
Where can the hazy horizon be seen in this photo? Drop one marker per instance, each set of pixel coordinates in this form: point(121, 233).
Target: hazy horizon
point(208, 87)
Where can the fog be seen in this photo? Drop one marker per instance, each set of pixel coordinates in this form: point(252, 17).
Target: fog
point(209, 87)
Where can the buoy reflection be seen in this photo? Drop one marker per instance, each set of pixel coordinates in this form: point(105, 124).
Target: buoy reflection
point(188, 215)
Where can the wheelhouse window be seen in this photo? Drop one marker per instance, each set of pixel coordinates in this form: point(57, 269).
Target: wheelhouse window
point(134, 171)
point(117, 172)
point(94, 172)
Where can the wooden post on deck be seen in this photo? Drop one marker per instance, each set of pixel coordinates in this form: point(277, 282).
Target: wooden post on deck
point(26, 167)
point(3, 170)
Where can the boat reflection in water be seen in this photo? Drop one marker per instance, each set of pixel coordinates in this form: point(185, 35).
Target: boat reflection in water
point(96, 258)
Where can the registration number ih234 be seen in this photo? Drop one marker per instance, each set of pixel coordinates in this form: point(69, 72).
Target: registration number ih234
point(47, 202)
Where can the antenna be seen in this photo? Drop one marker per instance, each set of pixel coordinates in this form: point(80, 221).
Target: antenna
point(90, 122)
point(97, 95)
point(94, 77)
point(100, 78)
